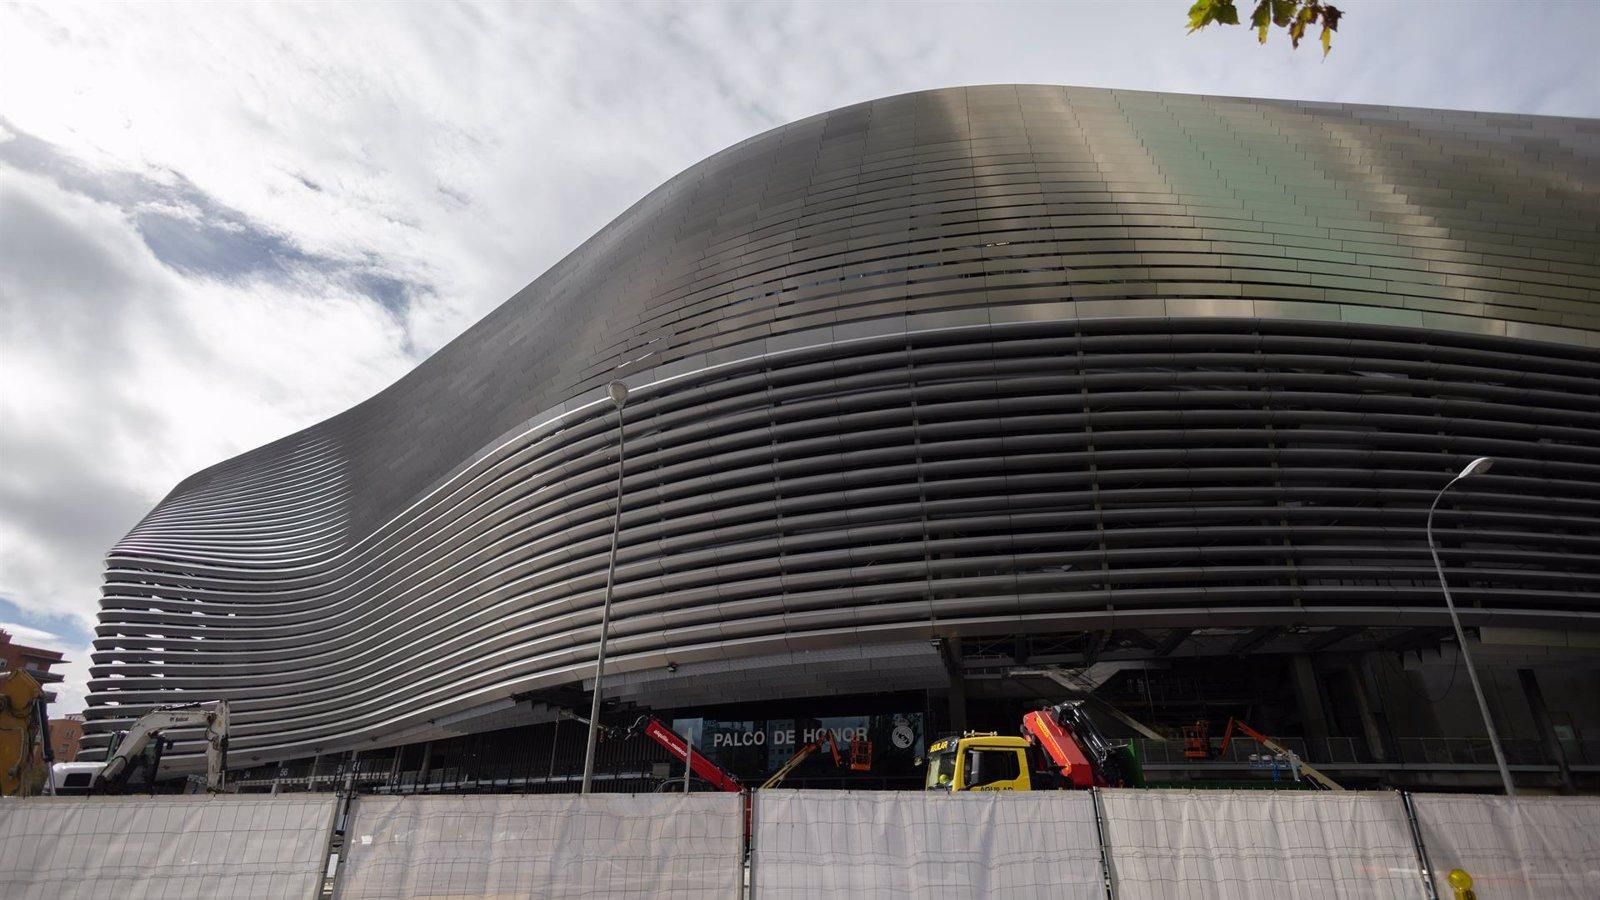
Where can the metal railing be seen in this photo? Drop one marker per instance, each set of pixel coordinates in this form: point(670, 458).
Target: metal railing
point(1407, 752)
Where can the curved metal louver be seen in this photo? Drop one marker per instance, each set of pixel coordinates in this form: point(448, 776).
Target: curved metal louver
point(965, 362)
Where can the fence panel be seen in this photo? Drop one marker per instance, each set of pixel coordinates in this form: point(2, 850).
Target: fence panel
point(1259, 845)
point(1531, 847)
point(164, 848)
point(853, 844)
point(543, 845)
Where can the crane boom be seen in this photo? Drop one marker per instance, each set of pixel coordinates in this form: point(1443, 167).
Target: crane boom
point(1300, 766)
point(1063, 747)
point(800, 757)
point(679, 748)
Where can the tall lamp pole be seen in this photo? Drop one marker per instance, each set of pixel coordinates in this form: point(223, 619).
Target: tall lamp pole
point(1479, 466)
point(619, 396)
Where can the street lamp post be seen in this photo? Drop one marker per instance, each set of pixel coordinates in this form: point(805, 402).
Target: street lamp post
point(1478, 466)
point(619, 396)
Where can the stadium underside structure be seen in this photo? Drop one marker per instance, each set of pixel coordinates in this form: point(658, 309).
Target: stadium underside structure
point(1124, 374)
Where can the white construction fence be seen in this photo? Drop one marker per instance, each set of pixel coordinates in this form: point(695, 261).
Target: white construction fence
point(165, 848)
point(1116, 844)
point(1260, 845)
point(667, 846)
point(816, 844)
point(1530, 848)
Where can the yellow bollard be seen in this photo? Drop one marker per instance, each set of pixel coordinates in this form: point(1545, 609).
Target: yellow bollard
point(1461, 883)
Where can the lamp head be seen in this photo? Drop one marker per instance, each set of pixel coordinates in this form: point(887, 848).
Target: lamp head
point(619, 393)
point(1479, 466)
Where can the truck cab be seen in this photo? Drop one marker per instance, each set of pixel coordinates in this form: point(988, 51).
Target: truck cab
point(980, 762)
point(1061, 749)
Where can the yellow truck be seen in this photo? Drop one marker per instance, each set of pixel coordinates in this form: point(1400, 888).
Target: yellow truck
point(1062, 750)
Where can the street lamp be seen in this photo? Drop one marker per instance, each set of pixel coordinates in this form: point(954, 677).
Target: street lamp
point(1479, 466)
point(619, 396)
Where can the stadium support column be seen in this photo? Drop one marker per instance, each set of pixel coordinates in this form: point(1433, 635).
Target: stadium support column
point(950, 652)
point(1362, 696)
point(1308, 694)
point(1547, 728)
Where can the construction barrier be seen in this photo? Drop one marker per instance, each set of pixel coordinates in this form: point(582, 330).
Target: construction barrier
point(544, 845)
point(1134, 844)
point(165, 848)
point(1259, 845)
point(821, 844)
point(1528, 848)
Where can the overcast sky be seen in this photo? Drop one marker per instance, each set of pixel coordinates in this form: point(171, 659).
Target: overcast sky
point(220, 224)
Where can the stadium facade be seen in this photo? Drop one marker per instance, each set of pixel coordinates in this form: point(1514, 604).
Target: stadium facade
point(941, 404)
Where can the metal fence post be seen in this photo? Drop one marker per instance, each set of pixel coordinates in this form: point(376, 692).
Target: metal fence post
point(1105, 849)
point(747, 842)
point(1428, 889)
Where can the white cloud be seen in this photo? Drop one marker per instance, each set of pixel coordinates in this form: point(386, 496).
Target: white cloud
point(122, 377)
point(26, 634)
point(332, 191)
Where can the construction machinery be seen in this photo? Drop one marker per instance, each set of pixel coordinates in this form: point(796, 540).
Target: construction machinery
point(142, 746)
point(24, 733)
point(1197, 745)
point(1061, 749)
point(860, 757)
point(710, 772)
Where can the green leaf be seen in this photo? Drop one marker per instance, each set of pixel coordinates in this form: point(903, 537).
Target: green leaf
point(1283, 11)
point(1261, 16)
point(1204, 12)
point(1297, 28)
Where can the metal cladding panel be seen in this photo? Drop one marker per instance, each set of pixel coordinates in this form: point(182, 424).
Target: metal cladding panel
point(970, 361)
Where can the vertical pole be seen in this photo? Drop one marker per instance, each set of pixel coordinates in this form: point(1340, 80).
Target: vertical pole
point(1466, 654)
point(394, 769)
point(605, 608)
point(1105, 850)
point(426, 768)
point(555, 745)
point(1429, 890)
point(688, 759)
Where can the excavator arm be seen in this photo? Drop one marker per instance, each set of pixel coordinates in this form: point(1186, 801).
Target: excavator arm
point(213, 716)
point(21, 715)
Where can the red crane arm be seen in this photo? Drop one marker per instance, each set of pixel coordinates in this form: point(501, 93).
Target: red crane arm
point(833, 747)
point(1062, 748)
point(703, 766)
